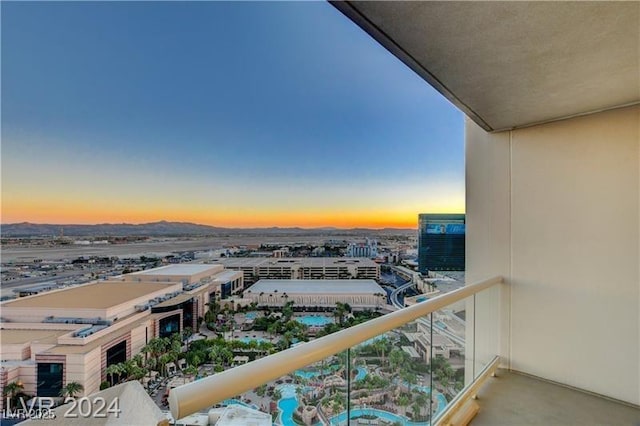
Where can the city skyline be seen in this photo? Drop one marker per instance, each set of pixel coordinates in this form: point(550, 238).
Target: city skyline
point(224, 114)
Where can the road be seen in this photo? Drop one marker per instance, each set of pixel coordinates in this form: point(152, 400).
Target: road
point(395, 293)
point(426, 322)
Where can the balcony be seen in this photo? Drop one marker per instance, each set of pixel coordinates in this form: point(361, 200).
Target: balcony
point(441, 367)
point(512, 398)
point(417, 365)
point(433, 363)
point(552, 93)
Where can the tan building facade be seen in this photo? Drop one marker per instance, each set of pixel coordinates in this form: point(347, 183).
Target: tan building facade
point(74, 334)
point(360, 294)
point(330, 268)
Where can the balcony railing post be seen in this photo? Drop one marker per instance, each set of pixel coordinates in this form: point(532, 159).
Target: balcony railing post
point(349, 386)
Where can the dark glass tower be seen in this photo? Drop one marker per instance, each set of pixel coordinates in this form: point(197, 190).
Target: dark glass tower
point(441, 242)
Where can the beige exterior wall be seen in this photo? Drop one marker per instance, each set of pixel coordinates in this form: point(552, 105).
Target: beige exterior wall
point(84, 369)
point(140, 336)
point(15, 352)
point(555, 209)
point(28, 377)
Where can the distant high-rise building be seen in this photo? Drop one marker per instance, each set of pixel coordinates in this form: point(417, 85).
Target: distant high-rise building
point(367, 249)
point(441, 242)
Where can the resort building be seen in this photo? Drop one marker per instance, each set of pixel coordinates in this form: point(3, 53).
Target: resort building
point(302, 268)
point(368, 249)
point(360, 294)
point(73, 334)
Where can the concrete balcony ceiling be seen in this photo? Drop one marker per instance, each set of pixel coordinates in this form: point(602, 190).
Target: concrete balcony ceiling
point(514, 64)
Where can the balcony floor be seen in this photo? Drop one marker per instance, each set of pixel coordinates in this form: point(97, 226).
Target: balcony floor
point(516, 399)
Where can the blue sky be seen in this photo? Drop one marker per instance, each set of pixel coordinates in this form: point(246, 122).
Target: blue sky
point(217, 112)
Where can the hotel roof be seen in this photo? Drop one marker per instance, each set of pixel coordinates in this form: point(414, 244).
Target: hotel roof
point(317, 286)
point(115, 332)
point(21, 336)
point(91, 296)
point(178, 270)
point(227, 275)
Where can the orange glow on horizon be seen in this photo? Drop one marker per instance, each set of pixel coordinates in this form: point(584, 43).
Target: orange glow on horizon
point(56, 211)
point(317, 220)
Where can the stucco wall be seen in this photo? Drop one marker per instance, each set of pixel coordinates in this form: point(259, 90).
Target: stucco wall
point(555, 209)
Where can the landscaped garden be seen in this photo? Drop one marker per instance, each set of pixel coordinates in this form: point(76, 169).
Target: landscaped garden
point(382, 380)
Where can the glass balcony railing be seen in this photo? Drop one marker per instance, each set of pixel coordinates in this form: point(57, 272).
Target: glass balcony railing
point(409, 367)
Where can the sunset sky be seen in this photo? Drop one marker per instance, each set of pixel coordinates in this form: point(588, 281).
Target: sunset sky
point(232, 114)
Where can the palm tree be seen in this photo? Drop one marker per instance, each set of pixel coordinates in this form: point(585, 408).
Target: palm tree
point(277, 394)
point(396, 358)
point(138, 360)
point(380, 346)
point(421, 400)
point(163, 361)
point(12, 389)
point(339, 312)
point(416, 411)
point(187, 332)
point(111, 370)
point(71, 389)
point(408, 377)
point(403, 401)
point(214, 353)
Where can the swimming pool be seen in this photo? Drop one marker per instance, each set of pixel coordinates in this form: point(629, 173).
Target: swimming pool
point(306, 374)
point(287, 406)
point(314, 321)
point(287, 390)
point(248, 339)
point(311, 374)
point(442, 402)
point(362, 373)
point(251, 315)
point(422, 299)
point(385, 415)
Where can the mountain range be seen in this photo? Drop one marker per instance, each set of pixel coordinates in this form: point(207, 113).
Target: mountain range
point(164, 228)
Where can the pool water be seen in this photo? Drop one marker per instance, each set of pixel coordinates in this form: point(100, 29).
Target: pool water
point(311, 374)
point(385, 415)
point(362, 373)
point(306, 374)
point(287, 406)
point(314, 321)
point(249, 339)
point(422, 299)
point(442, 402)
point(251, 315)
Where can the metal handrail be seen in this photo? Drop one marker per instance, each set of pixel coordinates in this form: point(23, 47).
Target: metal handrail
point(195, 396)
